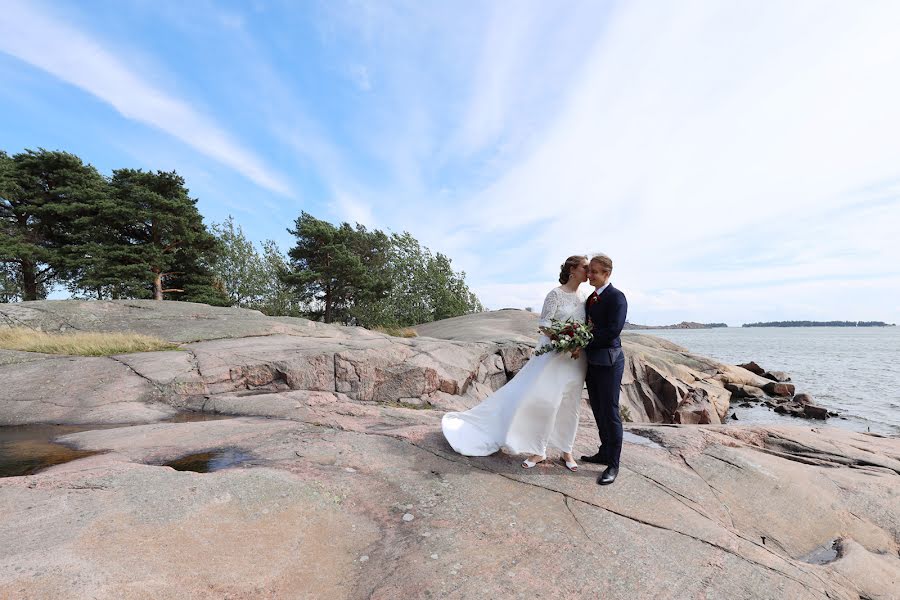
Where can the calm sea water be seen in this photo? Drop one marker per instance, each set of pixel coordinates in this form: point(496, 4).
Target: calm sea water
point(852, 370)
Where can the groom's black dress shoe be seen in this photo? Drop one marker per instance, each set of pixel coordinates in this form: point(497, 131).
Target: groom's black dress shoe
point(597, 459)
point(608, 476)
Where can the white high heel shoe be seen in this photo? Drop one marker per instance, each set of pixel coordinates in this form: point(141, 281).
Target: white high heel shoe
point(527, 464)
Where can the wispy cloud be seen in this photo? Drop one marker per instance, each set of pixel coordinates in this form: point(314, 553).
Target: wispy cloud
point(737, 160)
point(507, 44)
point(37, 38)
point(699, 129)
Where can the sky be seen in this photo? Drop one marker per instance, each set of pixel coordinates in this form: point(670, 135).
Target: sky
point(739, 161)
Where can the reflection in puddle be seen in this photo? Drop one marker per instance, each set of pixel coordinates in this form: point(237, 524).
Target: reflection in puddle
point(26, 449)
point(207, 462)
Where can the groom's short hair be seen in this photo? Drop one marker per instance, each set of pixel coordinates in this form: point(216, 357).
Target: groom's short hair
point(604, 261)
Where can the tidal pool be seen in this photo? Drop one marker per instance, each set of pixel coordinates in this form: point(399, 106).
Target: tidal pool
point(27, 449)
point(207, 462)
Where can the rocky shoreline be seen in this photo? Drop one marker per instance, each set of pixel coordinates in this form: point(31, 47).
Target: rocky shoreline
point(346, 488)
point(682, 325)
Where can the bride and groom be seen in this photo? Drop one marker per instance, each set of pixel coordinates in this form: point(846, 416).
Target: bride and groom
point(540, 407)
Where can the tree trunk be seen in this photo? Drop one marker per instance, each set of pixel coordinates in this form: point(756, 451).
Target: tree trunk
point(29, 280)
point(157, 286)
point(328, 304)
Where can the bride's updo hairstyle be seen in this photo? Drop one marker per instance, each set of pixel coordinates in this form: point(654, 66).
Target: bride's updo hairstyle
point(565, 269)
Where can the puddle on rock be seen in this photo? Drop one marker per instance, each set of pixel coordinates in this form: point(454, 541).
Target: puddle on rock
point(27, 449)
point(207, 462)
point(824, 554)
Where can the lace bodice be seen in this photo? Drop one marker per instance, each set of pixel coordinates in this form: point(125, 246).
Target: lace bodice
point(561, 305)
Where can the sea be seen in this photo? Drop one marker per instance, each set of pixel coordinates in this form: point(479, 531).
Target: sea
point(854, 371)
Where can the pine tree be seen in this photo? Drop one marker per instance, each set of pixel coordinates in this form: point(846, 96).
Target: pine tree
point(44, 198)
point(337, 270)
point(161, 234)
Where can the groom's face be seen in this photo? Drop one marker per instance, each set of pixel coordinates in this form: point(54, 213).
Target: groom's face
point(596, 275)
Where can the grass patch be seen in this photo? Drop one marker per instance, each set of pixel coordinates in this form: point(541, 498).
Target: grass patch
point(403, 332)
point(80, 343)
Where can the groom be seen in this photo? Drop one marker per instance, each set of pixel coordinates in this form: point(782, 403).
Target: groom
point(606, 308)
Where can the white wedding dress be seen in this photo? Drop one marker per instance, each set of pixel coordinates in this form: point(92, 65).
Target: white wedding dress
point(538, 408)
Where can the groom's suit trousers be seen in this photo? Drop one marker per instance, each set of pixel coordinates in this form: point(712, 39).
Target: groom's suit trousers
point(603, 385)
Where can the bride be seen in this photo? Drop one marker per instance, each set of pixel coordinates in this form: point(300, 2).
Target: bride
point(541, 405)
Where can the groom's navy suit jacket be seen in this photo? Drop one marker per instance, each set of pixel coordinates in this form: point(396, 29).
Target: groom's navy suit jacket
point(607, 314)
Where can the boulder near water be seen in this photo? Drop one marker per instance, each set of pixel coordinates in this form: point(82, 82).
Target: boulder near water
point(753, 368)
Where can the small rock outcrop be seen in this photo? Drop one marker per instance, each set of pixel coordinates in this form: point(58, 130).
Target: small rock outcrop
point(803, 399)
point(775, 388)
point(753, 368)
point(777, 376)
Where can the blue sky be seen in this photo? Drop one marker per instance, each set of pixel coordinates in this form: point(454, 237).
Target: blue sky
point(739, 161)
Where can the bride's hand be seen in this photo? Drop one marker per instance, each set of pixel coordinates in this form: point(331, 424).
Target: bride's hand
point(576, 352)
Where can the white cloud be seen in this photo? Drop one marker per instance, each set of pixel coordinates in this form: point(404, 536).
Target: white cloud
point(703, 134)
point(74, 57)
point(737, 160)
point(353, 210)
point(507, 44)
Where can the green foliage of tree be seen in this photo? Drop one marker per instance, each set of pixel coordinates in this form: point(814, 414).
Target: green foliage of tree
point(352, 275)
point(238, 266)
point(251, 279)
point(139, 234)
point(424, 287)
point(10, 284)
point(157, 230)
point(196, 280)
point(337, 270)
point(277, 297)
point(113, 264)
point(45, 196)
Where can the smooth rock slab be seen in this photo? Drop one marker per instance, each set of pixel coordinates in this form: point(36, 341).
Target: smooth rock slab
point(686, 517)
point(77, 390)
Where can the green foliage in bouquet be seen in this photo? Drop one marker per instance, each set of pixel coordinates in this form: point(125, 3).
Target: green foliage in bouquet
point(566, 337)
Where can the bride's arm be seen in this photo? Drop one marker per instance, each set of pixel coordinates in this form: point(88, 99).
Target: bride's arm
point(548, 312)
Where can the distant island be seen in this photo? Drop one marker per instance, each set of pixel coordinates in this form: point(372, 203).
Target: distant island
point(682, 325)
point(820, 324)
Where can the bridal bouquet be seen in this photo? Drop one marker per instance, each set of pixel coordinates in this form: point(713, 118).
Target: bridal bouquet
point(566, 336)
